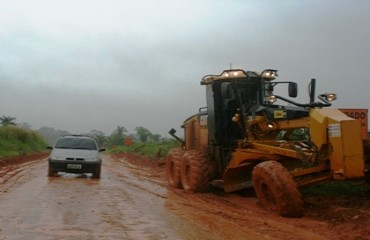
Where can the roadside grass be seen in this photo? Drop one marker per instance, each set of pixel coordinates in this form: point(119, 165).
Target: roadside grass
point(16, 141)
point(152, 149)
point(346, 188)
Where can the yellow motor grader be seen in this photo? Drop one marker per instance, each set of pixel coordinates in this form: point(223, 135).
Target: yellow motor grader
point(248, 136)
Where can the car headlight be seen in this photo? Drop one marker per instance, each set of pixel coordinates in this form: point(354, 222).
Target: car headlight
point(55, 157)
point(92, 159)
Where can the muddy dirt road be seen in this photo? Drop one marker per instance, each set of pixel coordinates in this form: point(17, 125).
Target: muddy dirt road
point(131, 201)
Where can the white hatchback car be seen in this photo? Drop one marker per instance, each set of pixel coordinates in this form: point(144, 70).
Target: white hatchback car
point(75, 154)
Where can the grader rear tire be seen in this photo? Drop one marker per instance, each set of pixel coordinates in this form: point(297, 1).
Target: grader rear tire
point(173, 163)
point(196, 172)
point(277, 190)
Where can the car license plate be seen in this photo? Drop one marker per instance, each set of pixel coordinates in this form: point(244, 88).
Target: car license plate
point(74, 166)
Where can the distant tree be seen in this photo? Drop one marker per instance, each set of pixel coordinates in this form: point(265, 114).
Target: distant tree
point(51, 135)
point(143, 133)
point(117, 136)
point(133, 136)
point(7, 120)
point(99, 137)
point(24, 125)
point(156, 137)
point(120, 131)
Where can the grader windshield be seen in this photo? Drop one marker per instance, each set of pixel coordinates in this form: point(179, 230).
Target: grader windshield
point(247, 90)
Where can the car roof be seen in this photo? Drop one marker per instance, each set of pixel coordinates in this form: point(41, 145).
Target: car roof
point(76, 136)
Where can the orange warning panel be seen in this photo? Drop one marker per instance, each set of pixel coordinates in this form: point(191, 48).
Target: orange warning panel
point(359, 114)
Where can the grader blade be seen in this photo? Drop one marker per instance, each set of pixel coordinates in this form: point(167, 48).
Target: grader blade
point(238, 178)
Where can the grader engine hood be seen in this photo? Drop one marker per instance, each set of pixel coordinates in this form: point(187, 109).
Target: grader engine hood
point(339, 135)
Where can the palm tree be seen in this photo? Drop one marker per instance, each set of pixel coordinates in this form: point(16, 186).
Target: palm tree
point(7, 120)
point(156, 137)
point(99, 137)
point(143, 133)
point(116, 138)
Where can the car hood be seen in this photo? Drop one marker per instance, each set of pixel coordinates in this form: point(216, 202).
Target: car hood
point(74, 153)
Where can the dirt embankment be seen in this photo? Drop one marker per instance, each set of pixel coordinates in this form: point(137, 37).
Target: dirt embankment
point(22, 159)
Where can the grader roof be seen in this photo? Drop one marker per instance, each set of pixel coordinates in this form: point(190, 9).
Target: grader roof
point(228, 75)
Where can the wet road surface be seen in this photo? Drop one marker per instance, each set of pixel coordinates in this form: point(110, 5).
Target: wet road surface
point(78, 207)
point(132, 202)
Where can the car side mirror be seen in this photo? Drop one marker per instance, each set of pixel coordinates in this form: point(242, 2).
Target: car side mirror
point(49, 147)
point(101, 149)
point(293, 89)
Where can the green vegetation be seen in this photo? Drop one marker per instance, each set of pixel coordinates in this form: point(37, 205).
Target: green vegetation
point(16, 141)
point(152, 149)
point(348, 188)
point(143, 142)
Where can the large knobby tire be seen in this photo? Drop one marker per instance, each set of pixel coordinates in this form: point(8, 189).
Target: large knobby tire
point(196, 171)
point(173, 163)
point(277, 190)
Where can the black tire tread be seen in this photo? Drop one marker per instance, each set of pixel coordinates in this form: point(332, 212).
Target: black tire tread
point(287, 197)
point(173, 163)
point(199, 171)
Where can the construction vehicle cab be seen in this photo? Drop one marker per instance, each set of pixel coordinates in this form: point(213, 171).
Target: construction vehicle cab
point(248, 136)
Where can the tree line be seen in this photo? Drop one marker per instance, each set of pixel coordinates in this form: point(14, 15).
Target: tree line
point(118, 137)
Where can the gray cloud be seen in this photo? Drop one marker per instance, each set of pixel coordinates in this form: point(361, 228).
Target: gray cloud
point(89, 65)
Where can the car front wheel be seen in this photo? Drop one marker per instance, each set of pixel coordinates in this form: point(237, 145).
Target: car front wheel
point(51, 172)
point(97, 172)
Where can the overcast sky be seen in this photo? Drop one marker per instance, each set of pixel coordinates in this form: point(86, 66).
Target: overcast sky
point(79, 65)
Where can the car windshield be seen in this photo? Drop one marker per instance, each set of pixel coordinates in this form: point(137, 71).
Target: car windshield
point(76, 143)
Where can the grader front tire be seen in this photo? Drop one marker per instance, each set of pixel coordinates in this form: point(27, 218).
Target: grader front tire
point(277, 190)
point(173, 164)
point(195, 171)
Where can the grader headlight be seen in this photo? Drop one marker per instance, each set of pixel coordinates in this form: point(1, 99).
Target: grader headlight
point(270, 99)
point(233, 73)
point(327, 98)
point(269, 74)
point(330, 96)
point(226, 74)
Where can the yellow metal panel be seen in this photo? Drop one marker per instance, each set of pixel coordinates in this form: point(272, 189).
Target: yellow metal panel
point(318, 127)
point(352, 149)
point(359, 114)
point(279, 114)
point(268, 149)
point(203, 130)
point(190, 132)
point(343, 135)
point(242, 155)
point(346, 143)
point(336, 144)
